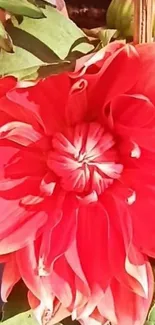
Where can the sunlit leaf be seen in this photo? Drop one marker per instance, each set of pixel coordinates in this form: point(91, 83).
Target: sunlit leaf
point(151, 316)
point(22, 319)
point(21, 7)
point(51, 43)
point(106, 35)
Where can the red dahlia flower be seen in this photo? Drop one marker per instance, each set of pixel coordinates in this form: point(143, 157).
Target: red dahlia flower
point(77, 188)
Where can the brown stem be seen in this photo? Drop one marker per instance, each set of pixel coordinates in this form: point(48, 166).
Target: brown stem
point(143, 20)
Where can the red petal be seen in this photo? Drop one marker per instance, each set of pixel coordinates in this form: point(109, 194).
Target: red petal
point(114, 78)
point(21, 163)
point(133, 111)
point(48, 184)
point(130, 308)
point(142, 212)
point(92, 220)
point(61, 282)
point(63, 225)
point(94, 61)
point(6, 84)
point(51, 315)
point(133, 118)
point(19, 227)
point(106, 306)
point(76, 107)
point(127, 265)
point(29, 272)
point(17, 110)
point(145, 84)
point(75, 263)
point(33, 301)
point(10, 277)
point(45, 101)
point(23, 134)
point(82, 287)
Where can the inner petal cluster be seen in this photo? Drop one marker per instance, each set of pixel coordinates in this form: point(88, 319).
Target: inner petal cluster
point(85, 158)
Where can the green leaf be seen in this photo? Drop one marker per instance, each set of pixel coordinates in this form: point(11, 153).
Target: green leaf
point(106, 35)
point(22, 319)
point(52, 44)
point(5, 40)
point(151, 316)
point(21, 7)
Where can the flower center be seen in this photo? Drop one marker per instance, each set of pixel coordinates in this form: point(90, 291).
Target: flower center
point(85, 158)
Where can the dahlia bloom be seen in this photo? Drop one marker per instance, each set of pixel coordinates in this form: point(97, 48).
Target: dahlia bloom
point(77, 188)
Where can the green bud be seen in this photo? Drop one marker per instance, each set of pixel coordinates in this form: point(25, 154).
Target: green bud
point(120, 16)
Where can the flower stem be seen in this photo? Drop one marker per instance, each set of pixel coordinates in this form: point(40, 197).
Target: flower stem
point(143, 20)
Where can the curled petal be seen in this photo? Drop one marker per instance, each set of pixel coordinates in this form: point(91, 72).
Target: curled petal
point(145, 84)
point(76, 107)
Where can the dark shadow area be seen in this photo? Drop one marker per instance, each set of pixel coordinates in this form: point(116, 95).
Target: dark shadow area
point(89, 3)
point(69, 321)
point(17, 302)
point(88, 13)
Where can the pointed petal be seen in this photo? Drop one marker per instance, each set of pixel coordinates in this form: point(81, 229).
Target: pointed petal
point(33, 301)
point(23, 134)
point(92, 220)
point(127, 265)
point(82, 287)
point(106, 306)
point(73, 259)
point(19, 227)
point(64, 227)
point(50, 316)
point(131, 309)
point(29, 273)
point(89, 321)
point(17, 111)
point(61, 282)
point(10, 277)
